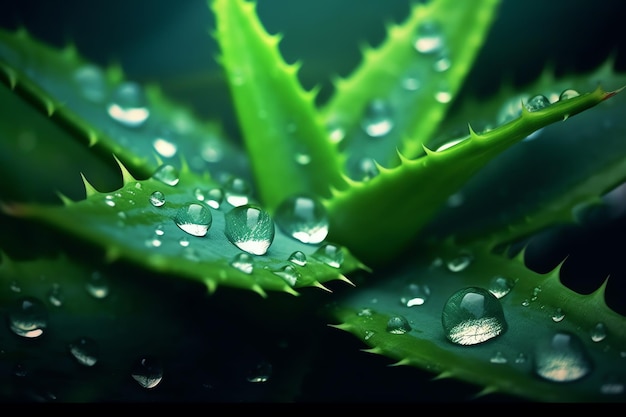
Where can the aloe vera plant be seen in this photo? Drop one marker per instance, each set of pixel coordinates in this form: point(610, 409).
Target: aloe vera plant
point(149, 253)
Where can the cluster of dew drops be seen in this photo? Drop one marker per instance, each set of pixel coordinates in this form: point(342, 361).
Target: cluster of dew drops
point(473, 315)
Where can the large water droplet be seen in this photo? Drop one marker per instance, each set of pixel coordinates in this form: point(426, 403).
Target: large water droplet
point(330, 254)
point(250, 228)
point(472, 315)
point(398, 325)
point(148, 372)
point(561, 358)
point(28, 317)
point(377, 120)
point(85, 351)
point(167, 174)
point(194, 218)
point(157, 199)
point(303, 218)
point(429, 38)
point(91, 82)
point(537, 102)
point(128, 105)
point(243, 262)
point(414, 295)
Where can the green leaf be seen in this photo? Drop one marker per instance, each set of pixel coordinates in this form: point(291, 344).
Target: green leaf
point(285, 138)
point(402, 89)
point(128, 225)
point(516, 359)
point(395, 205)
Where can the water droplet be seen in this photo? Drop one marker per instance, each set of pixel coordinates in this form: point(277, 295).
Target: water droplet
point(302, 158)
point(459, 263)
point(148, 372)
point(237, 191)
point(415, 295)
point(214, 197)
point(157, 199)
point(261, 372)
point(367, 169)
point(411, 83)
point(194, 218)
point(336, 131)
point(558, 315)
point(159, 230)
point(472, 315)
point(91, 82)
point(243, 262)
point(612, 385)
point(561, 358)
point(398, 325)
point(15, 287)
point(429, 38)
point(212, 150)
point(567, 94)
point(55, 295)
point(377, 121)
point(166, 148)
point(500, 286)
point(28, 317)
point(498, 357)
point(443, 95)
point(85, 351)
point(167, 174)
point(537, 102)
point(97, 285)
point(108, 200)
point(303, 218)
point(250, 228)
point(129, 105)
point(289, 273)
point(298, 258)
point(598, 333)
point(443, 62)
point(184, 242)
point(330, 254)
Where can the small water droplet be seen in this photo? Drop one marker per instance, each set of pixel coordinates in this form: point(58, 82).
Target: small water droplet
point(289, 273)
point(194, 218)
point(91, 82)
point(558, 315)
point(498, 357)
point(442, 62)
point(167, 174)
point(157, 199)
point(164, 147)
point(129, 105)
point(567, 94)
point(237, 191)
point(598, 333)
point(28, 317)
point(537, 102)
point(159, 230)
point(612, 385)
point(330, 254)
point(261, 372)
point(302, 158)
point(184, 242)
point(298, 258)
point(212, 150)
point(336, 131)
point(415, 295)
point(472, 315)
point(199, 194)
point(55, 295)
point(85, 351)
point(367, 169)
point(459, 263)
point(429, 38)
point(214, 197)
point(303, 218)
point(411, 83)
point(148, 372)
point(443, 95)
point(561, 358)
point(243, 262)
point(97, 285)
point(250, 228)
point(500, 286)
point(398, 325)
point(377, 120)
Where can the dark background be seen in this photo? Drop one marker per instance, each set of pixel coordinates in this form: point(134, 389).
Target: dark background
point(169, 43)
